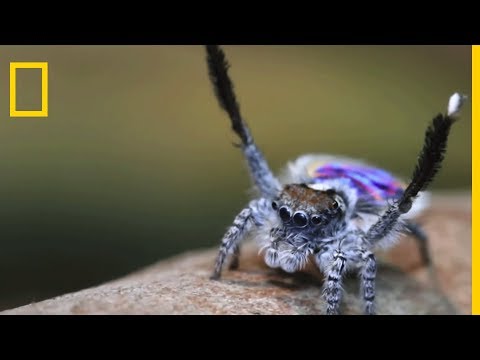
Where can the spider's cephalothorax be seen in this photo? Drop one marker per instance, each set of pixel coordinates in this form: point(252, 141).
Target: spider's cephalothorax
point(334, 210)
point(303, 209)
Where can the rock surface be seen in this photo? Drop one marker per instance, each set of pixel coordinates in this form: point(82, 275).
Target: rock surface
point(180, 285)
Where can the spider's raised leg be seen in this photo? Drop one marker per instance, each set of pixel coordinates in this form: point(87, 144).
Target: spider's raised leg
point(429, 162)
point(268, 185)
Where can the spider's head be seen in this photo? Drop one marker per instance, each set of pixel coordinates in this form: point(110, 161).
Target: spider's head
point(302, 207)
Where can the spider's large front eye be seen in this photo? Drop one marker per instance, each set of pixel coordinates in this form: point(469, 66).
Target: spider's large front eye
point(300, 219)
point(284, 213)
point(316, 220)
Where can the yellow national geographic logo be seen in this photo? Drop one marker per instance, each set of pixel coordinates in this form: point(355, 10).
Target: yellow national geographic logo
point(43, 112)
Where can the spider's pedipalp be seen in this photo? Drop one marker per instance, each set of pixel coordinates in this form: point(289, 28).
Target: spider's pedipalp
point(295, 259)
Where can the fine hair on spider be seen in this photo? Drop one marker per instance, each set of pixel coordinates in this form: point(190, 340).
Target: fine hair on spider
point(332, 209)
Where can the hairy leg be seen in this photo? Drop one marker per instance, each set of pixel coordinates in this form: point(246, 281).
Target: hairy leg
point(428, 165)
point(232, 238)
point(368, 273)
point(425, 253)
point(235, 262)
point(253, 215)
point(262, 176)
point(332, 290)
point(422, 241)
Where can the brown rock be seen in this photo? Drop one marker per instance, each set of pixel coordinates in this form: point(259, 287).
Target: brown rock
point(448, 224)
point(181, 286)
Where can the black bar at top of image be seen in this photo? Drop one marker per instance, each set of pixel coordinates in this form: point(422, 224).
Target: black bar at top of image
point(261, 35)
point(240, 23)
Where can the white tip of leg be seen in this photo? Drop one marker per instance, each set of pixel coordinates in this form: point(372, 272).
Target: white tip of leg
point(455, 103)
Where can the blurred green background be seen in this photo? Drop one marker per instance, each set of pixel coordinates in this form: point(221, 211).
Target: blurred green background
point(135, 161)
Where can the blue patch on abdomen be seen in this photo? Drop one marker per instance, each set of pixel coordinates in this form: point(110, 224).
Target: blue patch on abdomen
point(368, 181)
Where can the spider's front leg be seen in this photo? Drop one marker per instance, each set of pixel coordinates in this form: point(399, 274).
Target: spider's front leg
point(231, 240)
point(334, 262)
point(247, 218)
point(235, 262)
point(334, 272)
point(368, 273)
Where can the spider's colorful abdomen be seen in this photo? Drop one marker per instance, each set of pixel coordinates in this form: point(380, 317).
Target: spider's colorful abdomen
point(368, 181)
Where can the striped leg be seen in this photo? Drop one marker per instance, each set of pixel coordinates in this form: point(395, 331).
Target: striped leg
point(232, 238)
point(333, 282)
point(367, 279)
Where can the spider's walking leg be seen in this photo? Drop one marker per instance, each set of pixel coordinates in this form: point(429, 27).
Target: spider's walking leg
point(422, 241)
point(425, 253)
point(232, 238)
point(428, 165)
point(235, 262)
point(367, 281)
point(266, 182)
point(333, 283)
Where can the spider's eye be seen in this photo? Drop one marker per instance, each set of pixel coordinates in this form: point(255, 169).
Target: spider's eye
point(274, 205)
point(300, 219)
point(334, 205)
point(284, 213)
point(316, 219)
